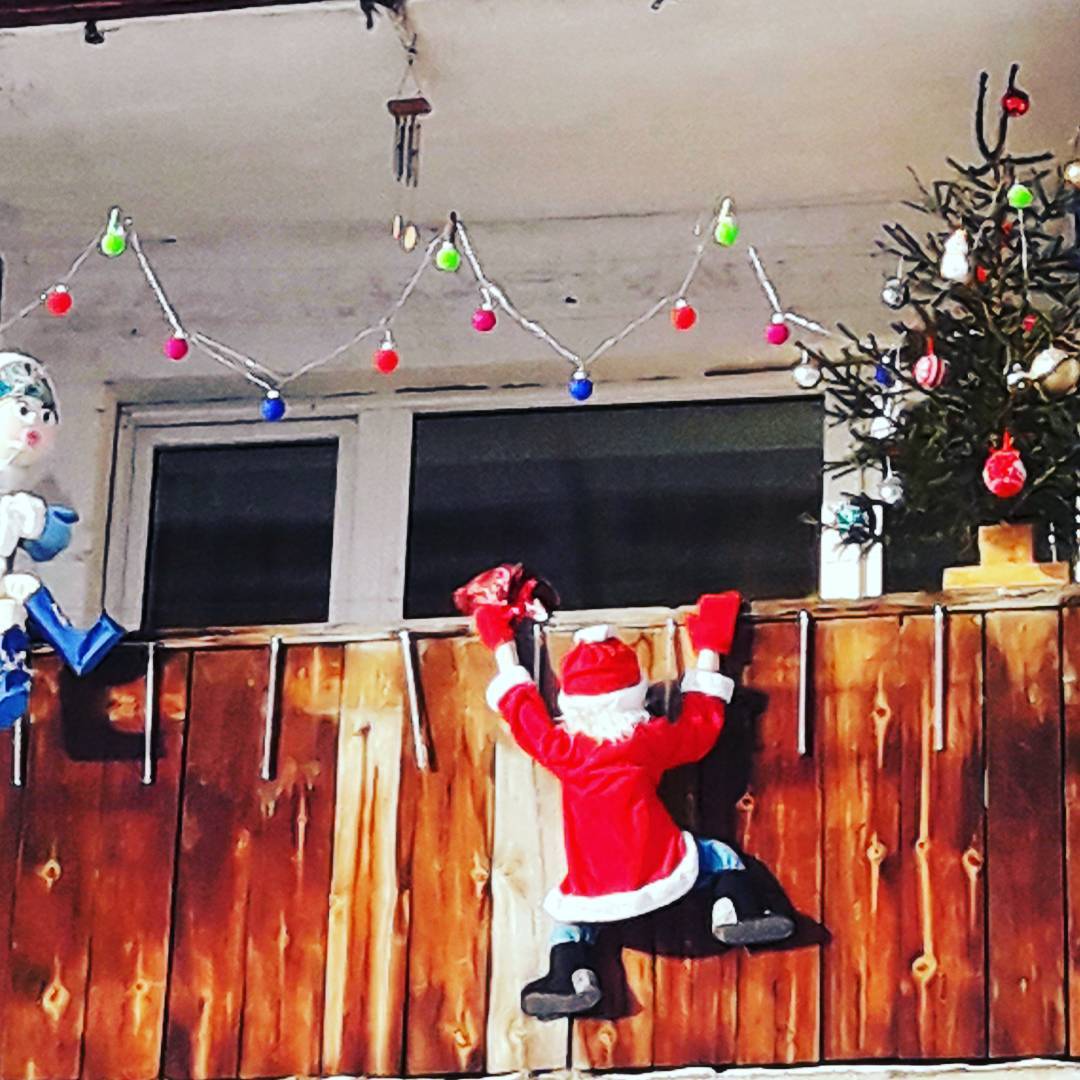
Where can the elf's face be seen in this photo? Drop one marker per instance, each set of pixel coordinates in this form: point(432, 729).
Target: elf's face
point(27, 431)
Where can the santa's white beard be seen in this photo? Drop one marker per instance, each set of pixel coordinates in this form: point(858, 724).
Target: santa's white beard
point(603, 723)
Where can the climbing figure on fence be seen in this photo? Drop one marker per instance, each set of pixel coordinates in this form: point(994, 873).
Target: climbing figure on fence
point(625, 854)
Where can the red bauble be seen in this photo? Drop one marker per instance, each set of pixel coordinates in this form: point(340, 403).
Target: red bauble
point(1004, 474)
point(386, 360)
point(1007, 226)
point(981, 274)
point(776, 333)
point(58, 301)
point(1016, 102)
point(683, 316)
point(175, 348)
point(1029, 323)
point(483, 319)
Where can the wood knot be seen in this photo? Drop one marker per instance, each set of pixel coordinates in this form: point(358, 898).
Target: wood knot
point(922, 845)
point(50, 873)
point(461, 1038)
point(876, 851)
point(972, 861)
point(924, 968)
point(746, 803)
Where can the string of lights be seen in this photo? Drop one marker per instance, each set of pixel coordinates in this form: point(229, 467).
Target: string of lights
point(444, 252)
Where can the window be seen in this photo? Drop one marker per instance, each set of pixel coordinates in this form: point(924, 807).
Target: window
point(623, 505)
point(240, 535)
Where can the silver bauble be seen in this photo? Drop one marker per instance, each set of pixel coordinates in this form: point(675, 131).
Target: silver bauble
point(891, 490)
point(894, 293)
point(806, 374)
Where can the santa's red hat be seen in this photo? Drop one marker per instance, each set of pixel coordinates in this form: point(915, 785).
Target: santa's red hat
point(601, 671)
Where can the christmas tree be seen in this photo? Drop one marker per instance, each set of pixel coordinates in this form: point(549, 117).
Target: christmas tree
point(970, 415)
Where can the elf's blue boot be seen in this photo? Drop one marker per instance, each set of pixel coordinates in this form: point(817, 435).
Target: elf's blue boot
point(82, 650)
point(14, 676)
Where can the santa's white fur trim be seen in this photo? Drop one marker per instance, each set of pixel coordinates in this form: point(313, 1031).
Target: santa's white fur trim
point(600, 632)
point(504, 682)
point(708, 682)
point(568, 908)
point(628, 699)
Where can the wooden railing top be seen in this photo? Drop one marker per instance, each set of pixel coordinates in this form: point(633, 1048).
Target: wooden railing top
point(637, 618)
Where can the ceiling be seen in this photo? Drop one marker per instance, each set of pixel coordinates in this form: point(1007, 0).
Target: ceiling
point(579, 140)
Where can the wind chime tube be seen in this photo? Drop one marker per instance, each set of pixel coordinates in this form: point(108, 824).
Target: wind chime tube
point(939, 676)
point(17, 753)
point(419, 746)
point(538, 651)
point(149, 713)
point(266, 770)
point(671, 637)
point(802, 735)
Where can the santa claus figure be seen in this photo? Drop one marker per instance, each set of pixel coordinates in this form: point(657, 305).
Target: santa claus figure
point(625, 854)
point(28, 424)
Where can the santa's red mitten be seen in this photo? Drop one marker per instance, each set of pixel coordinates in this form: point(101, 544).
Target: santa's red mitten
point(713, 627)
point(494, 624)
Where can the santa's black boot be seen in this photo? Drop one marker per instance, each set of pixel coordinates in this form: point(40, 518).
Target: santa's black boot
point(570, 987)
point(740, 915)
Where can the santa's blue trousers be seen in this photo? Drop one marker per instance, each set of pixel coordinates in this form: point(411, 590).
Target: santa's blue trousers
point(714, 857)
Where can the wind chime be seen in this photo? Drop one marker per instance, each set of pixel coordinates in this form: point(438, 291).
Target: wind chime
point(406, 158)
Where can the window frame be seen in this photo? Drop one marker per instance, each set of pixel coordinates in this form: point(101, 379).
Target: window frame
point(372, 503)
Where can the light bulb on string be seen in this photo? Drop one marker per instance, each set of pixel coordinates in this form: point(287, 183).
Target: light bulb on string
point(727, 227)
point(683, 316)
point(272, 406)
point(176, 347)
point(447, 258)
point(57, 301)
point(483, 319)
point(777, 332)
point(580, 385)
point(114, 239)
point(386, 357)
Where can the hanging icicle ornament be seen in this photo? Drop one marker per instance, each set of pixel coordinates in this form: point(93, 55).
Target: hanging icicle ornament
point(57, 301)
point(483, 318)
point(683, 316)
point(580, 385)
point(930, 369)
point(176, 347)
point(406, 160)
point(386, 357)
point(955, 261)
point(891, 487)
point(727, 227)
point(113, 240)
point(1004, 473)
point(806, 372)
point(447, 258)
point(272, 406)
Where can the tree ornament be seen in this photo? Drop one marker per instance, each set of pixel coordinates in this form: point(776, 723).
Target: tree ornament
point(883, 423)
point(777, 332)
point(447, 258)
point(1071, 174)
point(407, 113)
point(981, 274)
point(1029, 322)
point(483, 318)
point(894, 293)
point(727, 228)
point(1055, 371)
point(955, 265)
point(386, 358)
point(891, 489)
point(580, 386)
point(930, 369)
point(683, 316)
point(1020, 197)
point(113, 240)
point(883, 376)
point(272, 406)
point(854, 519)
point(58, 301)
point(1015, 102)
point(806, 373)
point(176, 347)
point(1004, 474)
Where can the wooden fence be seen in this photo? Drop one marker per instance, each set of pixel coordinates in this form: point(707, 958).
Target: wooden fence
point(358, 915)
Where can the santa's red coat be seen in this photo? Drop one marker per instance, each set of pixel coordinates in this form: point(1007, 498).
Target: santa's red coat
point(625, 854)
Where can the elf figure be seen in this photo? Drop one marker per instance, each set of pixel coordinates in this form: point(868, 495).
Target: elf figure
point(625, 854)
point(28, 423)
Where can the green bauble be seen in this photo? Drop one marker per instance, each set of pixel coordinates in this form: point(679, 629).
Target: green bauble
point(448, 257)
point(1020, 196)
point(113, 244)
point(727, 232)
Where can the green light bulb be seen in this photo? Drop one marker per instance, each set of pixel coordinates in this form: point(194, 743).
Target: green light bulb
point(727, 228)
point(113, 241)
point(448, 257)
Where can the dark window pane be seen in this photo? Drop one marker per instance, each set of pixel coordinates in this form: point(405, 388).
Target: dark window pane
point(241, 535)
point(618, 506)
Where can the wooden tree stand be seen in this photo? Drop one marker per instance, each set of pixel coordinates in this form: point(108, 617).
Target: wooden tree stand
point(1006, 557)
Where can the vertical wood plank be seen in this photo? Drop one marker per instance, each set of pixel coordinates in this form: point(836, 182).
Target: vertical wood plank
point(626, 1040)
point(369, 910)
point(1025, 840)
point(450, 862)
point(944, 837)
point(205, 1001)
point(133, 900)
point(861, 739)
point(11, 805)
point(290, 874)
point(779, 819)
point(528, 859)
point(1070, 673)
point(55, 880)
